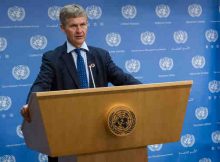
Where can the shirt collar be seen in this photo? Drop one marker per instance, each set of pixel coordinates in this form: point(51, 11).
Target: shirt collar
point(70, 47)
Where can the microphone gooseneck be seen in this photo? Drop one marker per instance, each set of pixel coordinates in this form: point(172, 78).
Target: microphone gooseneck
point(90, 69)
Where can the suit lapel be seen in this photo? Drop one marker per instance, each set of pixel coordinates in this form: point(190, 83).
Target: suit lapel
point(69, 63)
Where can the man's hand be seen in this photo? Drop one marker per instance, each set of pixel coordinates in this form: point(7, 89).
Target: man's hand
point(26, 113)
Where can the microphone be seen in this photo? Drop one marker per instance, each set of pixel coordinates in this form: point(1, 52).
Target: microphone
point(90, 70)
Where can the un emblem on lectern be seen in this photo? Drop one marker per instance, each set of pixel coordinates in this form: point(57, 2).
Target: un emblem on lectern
point(7, 158)
point(121, 121)
point(205, 160)
point(3, 44)
point(16, 13)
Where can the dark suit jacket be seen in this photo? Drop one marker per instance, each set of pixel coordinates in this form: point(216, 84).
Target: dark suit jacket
point(58, 71)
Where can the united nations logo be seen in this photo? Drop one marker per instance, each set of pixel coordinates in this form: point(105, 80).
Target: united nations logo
point(180, 37)
point(187, 140)
point(205, 160)
point(216, 137)
point(129, 11)
point(42, 158)
point(21, 72)
point(121, 121)
point(38, 42)
point(113, 39)
point(166, 63)
point(132, 66)
point(16, 13)
point(194, 10)
point(214, 86)
point(19, 131)
point(201, 113)
point(148, 38)
point(7, 158)
point(198, 62)
point(162, 11)
point(211, 35)
point(94, 12)
point(5, 103)
point(156, 147)
point(3, 44)
point(54, 12)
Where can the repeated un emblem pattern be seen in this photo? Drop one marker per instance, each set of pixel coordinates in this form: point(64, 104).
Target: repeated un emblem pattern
point(3, 44)
point(94, 12)
point(54, 12)
point(214, 86)
point(16, 13)
point(216, 137)
point(156, 147)
point(113, 39)
point(195, 10)
point(148, 38)
point(7, 158)
point(201, 113)
point(180, 37)
point(38, 42)
point(211, 35)
point(5, 103)
point(205, 160)
point(132, 65)
point(166, 63)
point(162, 11)
point(129, 11)
point(20, 72)
point(19, 131)
point(187, 140)
point(42, 158)
point(198, 62)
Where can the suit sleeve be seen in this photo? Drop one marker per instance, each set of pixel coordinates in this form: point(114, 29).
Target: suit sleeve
point(45, 77)
point(116, 75)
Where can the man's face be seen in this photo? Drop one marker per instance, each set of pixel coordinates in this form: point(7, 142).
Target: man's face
point(75, 30)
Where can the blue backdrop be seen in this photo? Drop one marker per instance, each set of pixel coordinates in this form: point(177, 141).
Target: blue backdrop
point(154, 40)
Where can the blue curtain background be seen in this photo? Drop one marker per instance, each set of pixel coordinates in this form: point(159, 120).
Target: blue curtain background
point(153, 40)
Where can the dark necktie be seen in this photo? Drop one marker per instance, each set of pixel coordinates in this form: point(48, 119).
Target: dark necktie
point(81, 69)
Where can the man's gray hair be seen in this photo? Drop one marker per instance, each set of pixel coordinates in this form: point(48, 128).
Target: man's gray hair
point(71, 11)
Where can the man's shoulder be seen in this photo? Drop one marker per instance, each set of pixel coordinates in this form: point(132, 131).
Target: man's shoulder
point(56, 52)
point(93, 49)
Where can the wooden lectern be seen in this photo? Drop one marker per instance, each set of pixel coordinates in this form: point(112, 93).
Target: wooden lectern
point(77, 122)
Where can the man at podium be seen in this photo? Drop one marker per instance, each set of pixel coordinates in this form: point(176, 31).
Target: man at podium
point(74, 64)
